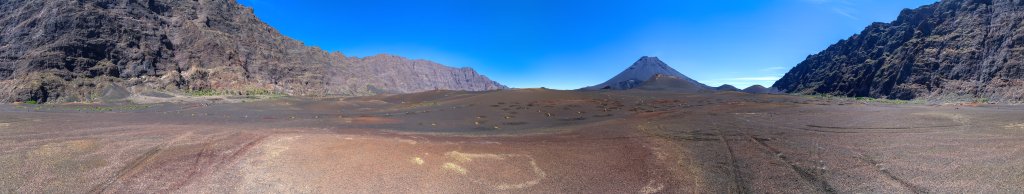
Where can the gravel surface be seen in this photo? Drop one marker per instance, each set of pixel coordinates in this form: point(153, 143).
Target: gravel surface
point(519, 141)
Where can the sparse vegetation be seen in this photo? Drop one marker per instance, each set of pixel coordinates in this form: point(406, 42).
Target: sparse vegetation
point(247, 92)
point(86, 108)
point(982, 100)
point(864, 99)
point(422, 104)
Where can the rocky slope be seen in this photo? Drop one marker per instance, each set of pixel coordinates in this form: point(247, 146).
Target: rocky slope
point(53, 51)
point(661, 82)
point(950, 50)
point(643, 69)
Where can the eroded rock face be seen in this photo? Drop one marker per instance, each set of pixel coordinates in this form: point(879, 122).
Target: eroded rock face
point(70, 50)
point(950, 50)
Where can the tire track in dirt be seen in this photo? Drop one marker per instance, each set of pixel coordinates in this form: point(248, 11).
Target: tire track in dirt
point(806, 175)
point(135, 166)
point(131, 169)
point(875, 165)
point(963, 125)
point(198, 169)
point(198, 160)
point(733, 165)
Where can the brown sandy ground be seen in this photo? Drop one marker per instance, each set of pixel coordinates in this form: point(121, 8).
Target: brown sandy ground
point(518, 141)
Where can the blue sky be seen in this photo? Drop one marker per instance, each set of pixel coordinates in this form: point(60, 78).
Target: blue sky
point(573, 44)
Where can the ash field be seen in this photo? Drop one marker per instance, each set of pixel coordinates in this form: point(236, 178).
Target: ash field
point(515, 141)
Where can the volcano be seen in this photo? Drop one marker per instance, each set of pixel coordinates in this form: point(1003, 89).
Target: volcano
point(641, 71)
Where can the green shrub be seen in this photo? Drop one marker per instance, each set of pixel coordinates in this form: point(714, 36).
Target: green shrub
point(982, 100)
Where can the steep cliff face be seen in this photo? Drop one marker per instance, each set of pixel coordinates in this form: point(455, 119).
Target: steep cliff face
point(950, 50)
point(394, 74)
point(72, 50)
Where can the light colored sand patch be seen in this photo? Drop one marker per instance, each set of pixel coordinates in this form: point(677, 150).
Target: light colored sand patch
point(278, 146)
point(463, 162)
point(53, 149)
point(955, 117)
point(536, 170)
point(417, 160)
point(261, 173)
point(464, 157)
point(408, 141)
point(5, 124)
point(368, 120)
point(1015, 126)
point(652, 187)
point(454, 167)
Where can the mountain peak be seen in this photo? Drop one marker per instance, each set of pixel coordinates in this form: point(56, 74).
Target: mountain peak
point(642, 70)
point(648, 60)
point(643, 58)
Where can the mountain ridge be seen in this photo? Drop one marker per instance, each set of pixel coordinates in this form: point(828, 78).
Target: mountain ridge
point(952, 50)
point(61, 51)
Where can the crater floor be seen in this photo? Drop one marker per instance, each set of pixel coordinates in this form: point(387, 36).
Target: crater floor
point(521, 141)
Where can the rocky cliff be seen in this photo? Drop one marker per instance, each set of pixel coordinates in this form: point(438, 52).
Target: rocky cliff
point(950, 50)
point(70, 50)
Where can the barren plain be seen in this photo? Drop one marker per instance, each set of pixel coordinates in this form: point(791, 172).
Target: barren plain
point(517, 141)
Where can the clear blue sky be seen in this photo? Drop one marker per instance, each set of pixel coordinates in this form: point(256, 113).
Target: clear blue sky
point(572, 44)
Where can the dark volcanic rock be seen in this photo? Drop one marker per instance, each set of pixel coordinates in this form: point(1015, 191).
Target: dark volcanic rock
point(727, 87)
point(953, 49)
point(71, 50)
point(641, 71)
point(661, 82)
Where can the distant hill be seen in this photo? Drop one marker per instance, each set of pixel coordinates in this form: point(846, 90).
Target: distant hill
point(642, 70)
point(949, 50)
point(759, 89)
point(727, 87)
point(58, 51)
